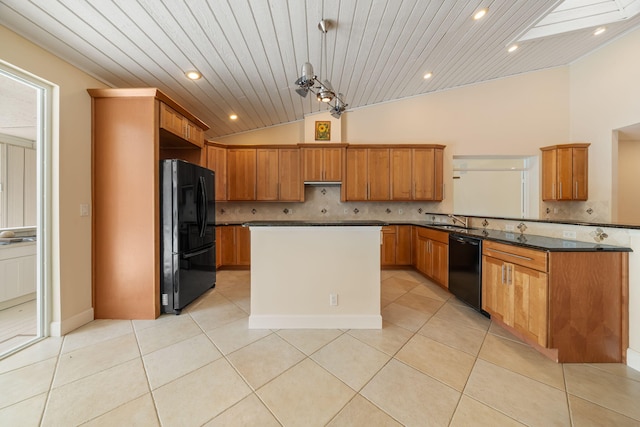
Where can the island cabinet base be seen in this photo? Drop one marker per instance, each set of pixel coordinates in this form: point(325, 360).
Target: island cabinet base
point(315, 277)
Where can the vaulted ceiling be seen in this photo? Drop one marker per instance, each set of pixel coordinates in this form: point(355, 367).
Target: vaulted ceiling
point(250, 51)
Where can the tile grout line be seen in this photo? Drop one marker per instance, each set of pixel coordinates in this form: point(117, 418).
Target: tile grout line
point(146, 374)
point(53, 377)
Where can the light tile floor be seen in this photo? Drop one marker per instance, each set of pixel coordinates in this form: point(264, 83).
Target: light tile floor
point(18, 325)
point(436, 362)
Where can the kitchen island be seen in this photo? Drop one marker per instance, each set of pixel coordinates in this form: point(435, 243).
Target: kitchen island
point(315, 275)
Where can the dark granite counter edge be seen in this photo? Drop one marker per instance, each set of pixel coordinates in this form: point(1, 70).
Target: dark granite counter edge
point(549, 221)
point(310, 223)
point(532, 241)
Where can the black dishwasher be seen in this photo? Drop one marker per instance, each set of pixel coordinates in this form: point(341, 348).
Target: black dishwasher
point(465, 269)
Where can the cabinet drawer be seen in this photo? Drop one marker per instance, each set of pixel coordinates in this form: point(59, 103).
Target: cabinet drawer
point(525, 257)
point(428, 233)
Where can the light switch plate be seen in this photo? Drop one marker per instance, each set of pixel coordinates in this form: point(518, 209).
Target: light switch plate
point(84, 210)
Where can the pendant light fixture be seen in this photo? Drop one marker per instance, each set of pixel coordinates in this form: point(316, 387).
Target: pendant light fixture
point(309, 82)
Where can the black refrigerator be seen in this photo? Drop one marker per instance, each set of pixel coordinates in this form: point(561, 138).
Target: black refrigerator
point(187, 237)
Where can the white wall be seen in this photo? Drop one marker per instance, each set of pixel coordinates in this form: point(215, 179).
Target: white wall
point(71, 171)
point(605, 95)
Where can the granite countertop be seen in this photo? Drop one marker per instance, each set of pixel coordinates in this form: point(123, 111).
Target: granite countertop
point(315, 223)
point(526, 240)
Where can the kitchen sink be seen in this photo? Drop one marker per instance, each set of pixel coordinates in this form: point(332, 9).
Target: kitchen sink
point(452, 228)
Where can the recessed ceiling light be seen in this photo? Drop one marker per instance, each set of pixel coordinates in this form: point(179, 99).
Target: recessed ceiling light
point(193, 74)
point(512, 48)
point(480, 14)
point(428, 75)
point(233, 117)
point(599, 31)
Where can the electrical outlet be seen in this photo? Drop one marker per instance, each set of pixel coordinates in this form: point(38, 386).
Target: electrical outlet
point(400, 211)
point(346, 210)
point(509, 227)
point(568, 234)
point(333, 300)
point(290, 211)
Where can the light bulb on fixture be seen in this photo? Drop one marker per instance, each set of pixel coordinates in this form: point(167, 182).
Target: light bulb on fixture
point(326, 92)
point(428, 75)
point(513, 48)
point(599, 31)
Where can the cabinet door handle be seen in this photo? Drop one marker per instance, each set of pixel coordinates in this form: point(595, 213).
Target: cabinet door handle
point(503, 274)
point(509, 274)
point(553, 191)
point(575, 196)
point(560, 189)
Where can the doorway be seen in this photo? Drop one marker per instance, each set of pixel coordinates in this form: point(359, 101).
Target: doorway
point(625, 201)
point(25, 132)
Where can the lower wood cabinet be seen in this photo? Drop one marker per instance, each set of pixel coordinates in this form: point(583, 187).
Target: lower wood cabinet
point(396, 246)
point(431, 254)
point(234, 246)
point(515, 294)
point(572, 306)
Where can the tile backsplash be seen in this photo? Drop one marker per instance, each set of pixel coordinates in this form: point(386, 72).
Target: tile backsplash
point(322, 202)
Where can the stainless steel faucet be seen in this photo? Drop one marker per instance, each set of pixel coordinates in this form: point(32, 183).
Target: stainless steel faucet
point(462, 220)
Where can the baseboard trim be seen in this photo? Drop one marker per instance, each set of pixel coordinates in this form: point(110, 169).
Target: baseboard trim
point(315, 322)
point(59, 329)
point(633, 359)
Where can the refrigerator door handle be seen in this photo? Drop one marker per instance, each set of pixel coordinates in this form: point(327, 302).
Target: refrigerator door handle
point(205, 203)
point(201, 207)
point(196, 253)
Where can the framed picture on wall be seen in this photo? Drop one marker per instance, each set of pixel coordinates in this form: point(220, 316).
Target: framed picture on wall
point(323, 131)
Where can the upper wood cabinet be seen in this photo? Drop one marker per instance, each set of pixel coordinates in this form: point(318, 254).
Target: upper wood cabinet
point(416, 173)
point(217, 162)
point(128, 139)
point(378, 174)
point(565, 172)
point(241, 173)
point(356, 185)
point(180, 126)
point(367, 174)
point(266, 173)
point(322, 163)
point(290, 184)
point(390, 172)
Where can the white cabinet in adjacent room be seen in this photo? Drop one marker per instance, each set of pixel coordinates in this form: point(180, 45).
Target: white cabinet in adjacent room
point(17, 273)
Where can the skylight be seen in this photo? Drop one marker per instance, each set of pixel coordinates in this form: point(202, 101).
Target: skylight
point(572, 15)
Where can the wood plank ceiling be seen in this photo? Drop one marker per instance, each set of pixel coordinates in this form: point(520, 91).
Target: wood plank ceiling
point(250, 51)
